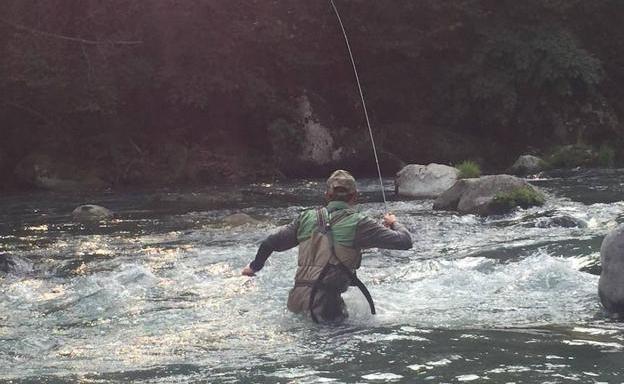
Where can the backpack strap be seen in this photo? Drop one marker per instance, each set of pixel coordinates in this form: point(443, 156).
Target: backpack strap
point(355, 281)
point(322, 220)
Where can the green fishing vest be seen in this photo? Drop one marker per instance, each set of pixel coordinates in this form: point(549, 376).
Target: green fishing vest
point(315, 249)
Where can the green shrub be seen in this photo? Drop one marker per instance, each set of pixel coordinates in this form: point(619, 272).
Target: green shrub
point(524, 197)
point(544, 164)
point(468, 169)
point(606, 156)
point(571, 156)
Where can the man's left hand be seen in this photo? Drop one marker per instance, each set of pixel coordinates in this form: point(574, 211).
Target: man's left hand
point(389, 220)
point(247, 271)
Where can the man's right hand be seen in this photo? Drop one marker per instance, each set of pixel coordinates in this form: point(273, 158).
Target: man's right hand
point(389, 220)
point(247, 271)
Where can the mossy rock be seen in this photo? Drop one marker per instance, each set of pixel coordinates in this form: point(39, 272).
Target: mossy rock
point(489, 195)
point(524, 197)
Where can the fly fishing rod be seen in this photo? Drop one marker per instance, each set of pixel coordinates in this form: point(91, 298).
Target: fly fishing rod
point(357, 80)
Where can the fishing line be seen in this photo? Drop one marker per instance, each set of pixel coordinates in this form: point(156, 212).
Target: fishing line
point(357, 80)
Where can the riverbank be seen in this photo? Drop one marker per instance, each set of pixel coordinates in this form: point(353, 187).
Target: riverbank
point(174, 165)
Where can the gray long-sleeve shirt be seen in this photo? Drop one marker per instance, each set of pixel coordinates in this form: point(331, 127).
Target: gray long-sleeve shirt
point(368, 234)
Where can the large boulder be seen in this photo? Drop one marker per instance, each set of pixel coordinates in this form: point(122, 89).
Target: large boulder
point(527, 165)
point(90, 213)
point(488, 195)
point(318, 142)
point(611, 282)
point(310, 142)
point(305, 141)
point(421, 181)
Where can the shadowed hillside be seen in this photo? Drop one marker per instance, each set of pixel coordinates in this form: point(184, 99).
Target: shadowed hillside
point(126, 93)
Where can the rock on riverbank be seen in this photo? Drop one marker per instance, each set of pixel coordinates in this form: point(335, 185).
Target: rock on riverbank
point(421, 181)
point(611, 284)
point(527, 165)
point(489, 195)
point(91, 213)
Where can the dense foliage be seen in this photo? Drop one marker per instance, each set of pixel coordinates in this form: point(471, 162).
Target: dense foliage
point(193, 90)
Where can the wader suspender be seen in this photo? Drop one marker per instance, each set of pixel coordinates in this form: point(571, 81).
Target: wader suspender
point(324, 226)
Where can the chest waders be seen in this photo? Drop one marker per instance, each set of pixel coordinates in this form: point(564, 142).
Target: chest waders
point(336, 274)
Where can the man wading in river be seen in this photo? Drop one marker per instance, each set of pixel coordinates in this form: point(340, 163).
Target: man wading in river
point(330, 240)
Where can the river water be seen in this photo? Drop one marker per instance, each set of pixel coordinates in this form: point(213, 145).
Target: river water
point(156, 296)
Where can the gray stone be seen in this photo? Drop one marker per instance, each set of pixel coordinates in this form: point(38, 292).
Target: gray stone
point(6, 263)
point(611, 282)
point(14, 264)
point(420, 181)
point(561, 221)
point(477, 196)
point(238, 219)
point(449, 200)
point(527, 165)
point(91, 213)
point(318, 143)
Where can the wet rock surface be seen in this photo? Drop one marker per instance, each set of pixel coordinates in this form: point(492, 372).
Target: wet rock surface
point(611, 283)
point(527, 165)
point(421, 181)
point(482, 195)
point(91, 213)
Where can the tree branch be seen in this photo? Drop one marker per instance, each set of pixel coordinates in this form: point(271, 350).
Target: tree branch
point(69, 38)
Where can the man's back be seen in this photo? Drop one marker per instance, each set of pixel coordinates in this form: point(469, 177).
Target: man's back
point(330, 240)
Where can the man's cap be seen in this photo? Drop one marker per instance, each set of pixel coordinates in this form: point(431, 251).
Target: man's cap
point(341, 179)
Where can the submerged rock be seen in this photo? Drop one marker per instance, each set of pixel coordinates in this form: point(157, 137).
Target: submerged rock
point(14, 264)
point(564, 221)
point(611, 282)
point(91, 213)
point(238, 219)
point(6, 263)
point(527, 165)
point(425, 180)
point(489, 195)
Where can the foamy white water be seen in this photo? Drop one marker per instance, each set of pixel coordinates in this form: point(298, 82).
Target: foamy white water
point(156, 295)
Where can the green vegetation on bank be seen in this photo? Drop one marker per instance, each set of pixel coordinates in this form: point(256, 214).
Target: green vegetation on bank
point(606, 156)
point(468, 169)
point(581, 155)
point(570, 156)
